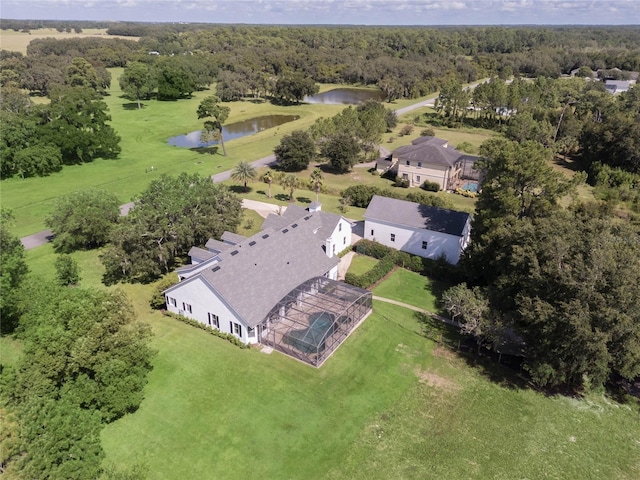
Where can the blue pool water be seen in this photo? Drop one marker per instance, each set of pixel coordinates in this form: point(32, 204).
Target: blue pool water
point(470, 186)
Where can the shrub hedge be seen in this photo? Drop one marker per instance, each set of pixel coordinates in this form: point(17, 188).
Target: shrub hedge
point(213, 331)
point(439, 269)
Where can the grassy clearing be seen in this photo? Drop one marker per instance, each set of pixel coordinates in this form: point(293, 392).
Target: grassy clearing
point(10, 350)
point(233, 413)
point(361, 264)
point(144, 135)
point(454, 423)
point(19, 41)
point(388, 404)
point(411, 288)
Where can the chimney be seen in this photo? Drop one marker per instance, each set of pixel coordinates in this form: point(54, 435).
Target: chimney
point(329, 247)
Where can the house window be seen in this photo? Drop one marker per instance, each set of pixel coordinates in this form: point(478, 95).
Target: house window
point(424, 245)
point(405, 176)
point(417, 178)
point(344, 240)
point(213, 320)
point(251, 332)
point(186, 307)
point(235, 328)
point(407, 163)
point(393, 237)
point(372, 232)
point(172, 301)
point(419, 164)
point(340, 227)
point(334, 249)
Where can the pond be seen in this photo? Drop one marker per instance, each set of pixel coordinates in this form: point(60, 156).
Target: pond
point(233, 130)
point(345, 96)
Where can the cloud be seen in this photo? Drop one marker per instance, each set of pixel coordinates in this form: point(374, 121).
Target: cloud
point(381, 12)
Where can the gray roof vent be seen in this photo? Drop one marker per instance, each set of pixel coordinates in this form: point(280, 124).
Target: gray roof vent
point(265, 236)
point(252, 243)
point(294, 225)
point(285, 230)
point(215, 269)
point(235, 252)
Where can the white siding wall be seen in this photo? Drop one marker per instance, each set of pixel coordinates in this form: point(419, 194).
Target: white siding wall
point(410, 240)
point(204, 301)
point(341, 236)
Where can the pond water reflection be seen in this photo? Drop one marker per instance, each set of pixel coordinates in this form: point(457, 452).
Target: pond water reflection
point(233, 130)
point(345, 96)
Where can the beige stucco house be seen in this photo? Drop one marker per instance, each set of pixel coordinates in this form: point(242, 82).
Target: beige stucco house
point(428, 159)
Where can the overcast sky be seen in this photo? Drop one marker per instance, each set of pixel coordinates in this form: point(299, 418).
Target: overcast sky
point(357, 12)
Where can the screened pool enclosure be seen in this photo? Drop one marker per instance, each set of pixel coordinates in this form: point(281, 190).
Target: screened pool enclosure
point(312, 320)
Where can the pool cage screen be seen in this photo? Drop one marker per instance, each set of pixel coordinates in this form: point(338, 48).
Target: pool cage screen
point(312, 320)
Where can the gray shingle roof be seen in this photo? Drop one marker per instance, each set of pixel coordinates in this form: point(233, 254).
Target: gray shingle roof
point(428, 154)
point(216, 246)
point(201, 254)
point(410, 214)
point(232, 238)
point(257, 273)
point(295, 212)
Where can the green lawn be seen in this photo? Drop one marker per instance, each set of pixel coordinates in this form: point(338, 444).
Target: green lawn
point(144, 136)
point(361, 264)
point(411, 288)
point(387, 404)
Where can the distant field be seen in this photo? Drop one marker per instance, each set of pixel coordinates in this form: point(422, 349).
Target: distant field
point(19, 41)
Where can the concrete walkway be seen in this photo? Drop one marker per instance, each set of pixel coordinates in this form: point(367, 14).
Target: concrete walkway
point(263, 208)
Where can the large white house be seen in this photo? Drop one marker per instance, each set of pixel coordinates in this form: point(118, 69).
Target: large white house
point(243, 286)
point(429, 232)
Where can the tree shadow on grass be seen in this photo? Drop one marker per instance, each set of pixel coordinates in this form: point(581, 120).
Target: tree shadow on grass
point(507, 373)
point(205, 150)
point(239, 189)
point(282, 197)
point(303, 199)
point(133, 106)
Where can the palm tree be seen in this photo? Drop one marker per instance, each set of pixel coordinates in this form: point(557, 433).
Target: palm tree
point(316, 181)
point(291, 182)
point(268, 179)
point(244, 172)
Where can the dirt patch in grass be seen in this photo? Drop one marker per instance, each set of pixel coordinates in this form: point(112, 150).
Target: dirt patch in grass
point(437, 381)
point(442, 352)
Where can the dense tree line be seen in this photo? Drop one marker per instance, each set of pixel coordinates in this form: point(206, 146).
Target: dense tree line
point(564, 282)
point(401, 61)
point(37, 140)
point(169, 217)
point(84, 364)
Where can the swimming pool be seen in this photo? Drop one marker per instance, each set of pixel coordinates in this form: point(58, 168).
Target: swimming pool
point(470, 186)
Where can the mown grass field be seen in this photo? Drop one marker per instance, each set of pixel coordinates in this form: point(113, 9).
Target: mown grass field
point(19, 41)
point(411, 288)
point(361, 264)
point(390, 403)
point(144, 135)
